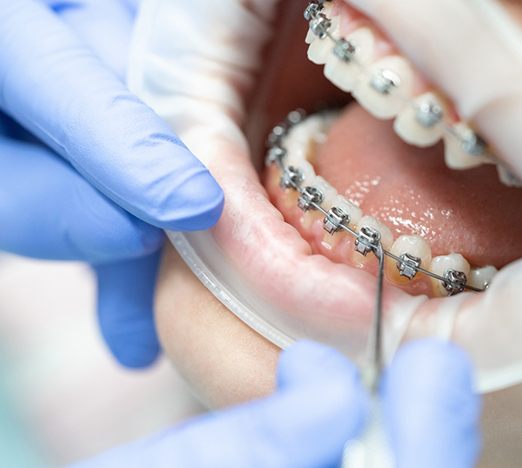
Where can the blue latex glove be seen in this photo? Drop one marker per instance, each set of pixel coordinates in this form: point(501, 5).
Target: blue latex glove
point(319, 405)
point(104, 173)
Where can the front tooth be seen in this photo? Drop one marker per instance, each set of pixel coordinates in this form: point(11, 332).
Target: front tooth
point(354, 212)
point(441, 265)
point(385, 90)
point(481, 278)
point(463, 148)
point(346, 72)
point(415, 247)
point(386, 234)
point(420, 124)
point(507, 178)
point(320, 49)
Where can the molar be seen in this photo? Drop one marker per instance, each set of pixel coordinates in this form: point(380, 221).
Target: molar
point(440, 265)
point(345, 73)
point(481, 277)
point(414, 246)
point(420, 124)
point(463, 148)
point(386, 89)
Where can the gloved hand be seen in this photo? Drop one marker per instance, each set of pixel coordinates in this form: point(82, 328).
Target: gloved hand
point(105, 173)
point(319, 405)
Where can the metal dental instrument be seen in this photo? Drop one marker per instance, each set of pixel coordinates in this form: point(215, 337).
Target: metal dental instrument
point(375, 338)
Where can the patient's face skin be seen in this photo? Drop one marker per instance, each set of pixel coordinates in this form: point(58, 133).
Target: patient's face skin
point(223, 360)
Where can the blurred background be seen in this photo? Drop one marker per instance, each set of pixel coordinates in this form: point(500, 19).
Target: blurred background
point(62, 396)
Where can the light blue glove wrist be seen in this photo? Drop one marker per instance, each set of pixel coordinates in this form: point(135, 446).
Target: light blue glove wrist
point(319, 405)
point(61, 67)
point(430, 407)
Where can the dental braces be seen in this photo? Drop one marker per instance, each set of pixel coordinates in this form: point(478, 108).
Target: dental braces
point(385, 81)
point(367, 239)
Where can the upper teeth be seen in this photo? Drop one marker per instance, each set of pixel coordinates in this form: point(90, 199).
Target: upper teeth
point(384, 88)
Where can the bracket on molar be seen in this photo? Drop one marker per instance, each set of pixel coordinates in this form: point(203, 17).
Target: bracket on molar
point(334, 220)
point(367, 241)
point(275, 156)
point(296, 117)
point(429, 114)
point(309, 197)
point(384, 81)
point(320, 25)
point(454, 282)
point(291, 178)
point(408, 265)
point(276, 135)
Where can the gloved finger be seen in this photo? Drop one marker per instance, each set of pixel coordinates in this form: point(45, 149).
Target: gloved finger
point(105, 27)
point(431, 409)
point(304, 424)
point(125, 309)
point(49, 211)
point(60, 91)
point(483, 75)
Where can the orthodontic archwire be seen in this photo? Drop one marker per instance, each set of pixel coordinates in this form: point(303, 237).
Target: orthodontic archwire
point(367, 240)
point(428, 114)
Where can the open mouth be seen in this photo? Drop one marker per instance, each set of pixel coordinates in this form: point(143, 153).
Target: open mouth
point(436, 198)
point(416, 174)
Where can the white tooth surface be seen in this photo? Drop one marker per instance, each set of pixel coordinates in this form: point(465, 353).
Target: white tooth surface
point(329, 193)
point(345, 75)
point(320, 49)
point(410, 130)
point(455, 154)
point(480, 277)
point(415, 246)
point(354, 212)
point(308, 172)
point(386, 234)
point(507, 178)
point(298, 151)
point(310, 37)
point(440, 265)
point(385, 106)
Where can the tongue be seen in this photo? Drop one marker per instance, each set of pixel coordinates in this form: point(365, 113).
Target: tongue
point(413, 192)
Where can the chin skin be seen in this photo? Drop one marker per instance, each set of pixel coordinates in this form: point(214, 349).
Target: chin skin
point(223, 360)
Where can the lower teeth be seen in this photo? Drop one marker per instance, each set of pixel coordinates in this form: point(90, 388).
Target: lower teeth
point(451, 274)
